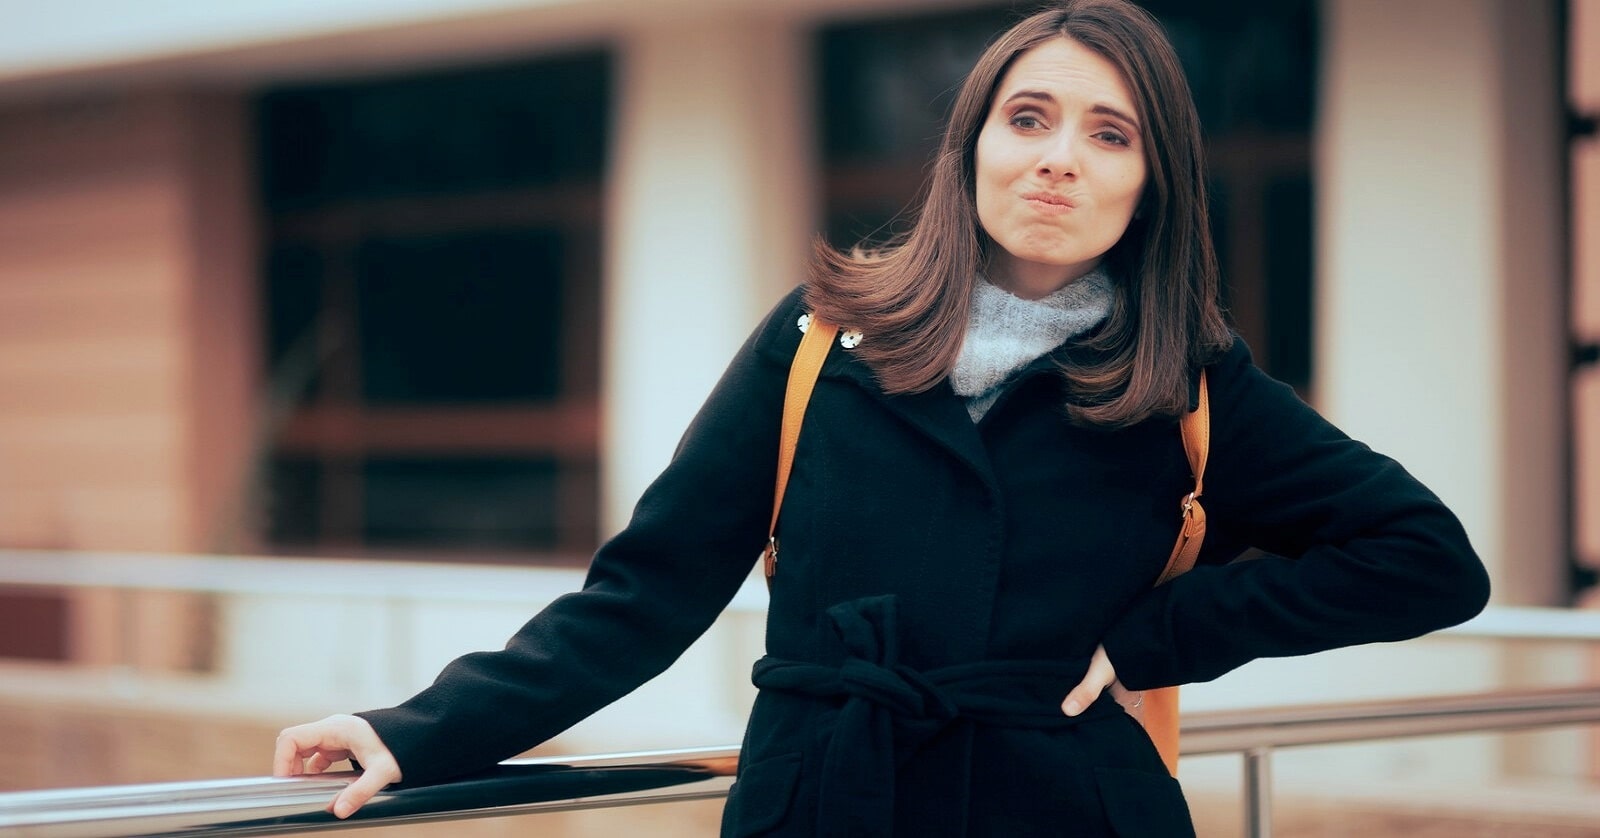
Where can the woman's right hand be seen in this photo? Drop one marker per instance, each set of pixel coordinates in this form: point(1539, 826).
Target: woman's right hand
point(329, 741)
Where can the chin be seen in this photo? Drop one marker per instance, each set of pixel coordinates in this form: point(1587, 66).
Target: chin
point(1048, 259)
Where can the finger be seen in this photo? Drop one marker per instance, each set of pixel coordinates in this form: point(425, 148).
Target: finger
point(323, 760)
point(301, 741)
point(1099, 676)
point(1081, 696)
point(286, 760)
point(359, 792)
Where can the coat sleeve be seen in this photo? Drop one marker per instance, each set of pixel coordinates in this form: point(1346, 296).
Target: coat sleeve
point(651, 590)
point(1362, 552)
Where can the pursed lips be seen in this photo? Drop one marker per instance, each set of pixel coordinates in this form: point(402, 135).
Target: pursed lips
point(1049, 202)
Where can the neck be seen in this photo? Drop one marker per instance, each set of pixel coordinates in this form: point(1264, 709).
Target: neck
point(1032, 281)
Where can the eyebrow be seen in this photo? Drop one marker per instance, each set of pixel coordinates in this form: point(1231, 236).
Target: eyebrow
point(1102, 109)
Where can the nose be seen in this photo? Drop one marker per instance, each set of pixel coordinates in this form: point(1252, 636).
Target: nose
point(1059, 158)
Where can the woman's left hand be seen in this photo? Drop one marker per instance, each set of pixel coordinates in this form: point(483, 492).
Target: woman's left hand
point(1101, 674)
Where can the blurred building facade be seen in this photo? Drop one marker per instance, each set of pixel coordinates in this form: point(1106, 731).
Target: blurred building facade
point(445, 280)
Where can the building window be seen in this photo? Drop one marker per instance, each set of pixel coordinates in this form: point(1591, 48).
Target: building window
point(885, 88)
point(431, 295)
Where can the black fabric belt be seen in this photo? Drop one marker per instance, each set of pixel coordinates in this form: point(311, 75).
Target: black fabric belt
point(889, 710)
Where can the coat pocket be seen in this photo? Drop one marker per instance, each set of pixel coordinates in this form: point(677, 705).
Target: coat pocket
point(1143, 804)
point(759, 800)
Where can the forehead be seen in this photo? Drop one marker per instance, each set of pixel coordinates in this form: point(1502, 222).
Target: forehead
point(1067, 69)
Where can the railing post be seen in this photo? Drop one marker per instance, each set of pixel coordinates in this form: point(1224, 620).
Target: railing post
point(1258, 793)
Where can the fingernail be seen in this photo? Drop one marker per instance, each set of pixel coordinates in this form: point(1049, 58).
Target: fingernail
point(1073, 708)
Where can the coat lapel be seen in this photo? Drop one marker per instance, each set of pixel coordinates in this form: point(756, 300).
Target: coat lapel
point(937, 413)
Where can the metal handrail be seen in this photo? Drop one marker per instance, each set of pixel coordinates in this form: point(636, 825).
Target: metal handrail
point(277, 806)
point(285, 805)
point(1237, 731)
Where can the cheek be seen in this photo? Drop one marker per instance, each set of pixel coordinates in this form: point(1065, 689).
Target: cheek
point(988, 184)
point(998, 160)
point(1131, 186)
point(1118, 201)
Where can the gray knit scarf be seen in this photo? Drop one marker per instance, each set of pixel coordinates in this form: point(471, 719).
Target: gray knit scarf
point(1005, 333)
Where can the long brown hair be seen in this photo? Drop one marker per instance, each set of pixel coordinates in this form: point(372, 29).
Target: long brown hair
point(912, 298)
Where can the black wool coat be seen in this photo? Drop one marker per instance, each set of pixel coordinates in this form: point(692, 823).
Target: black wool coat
point(942, 584)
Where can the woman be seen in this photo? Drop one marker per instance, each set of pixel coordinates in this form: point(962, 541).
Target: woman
point(981, 501)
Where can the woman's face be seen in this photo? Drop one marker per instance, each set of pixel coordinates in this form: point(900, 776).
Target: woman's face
point(1059, 167)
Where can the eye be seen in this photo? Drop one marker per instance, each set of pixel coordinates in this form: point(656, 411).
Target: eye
point(1026, 122)
point(1113, 137)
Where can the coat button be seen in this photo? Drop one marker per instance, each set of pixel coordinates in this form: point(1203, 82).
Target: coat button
point(850, 339)
point(805, 323)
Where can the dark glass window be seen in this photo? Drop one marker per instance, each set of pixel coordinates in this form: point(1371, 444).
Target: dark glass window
point(485, 128)
point(294, 501)
point(431, 306)
point(460, 318)
point(499, 502)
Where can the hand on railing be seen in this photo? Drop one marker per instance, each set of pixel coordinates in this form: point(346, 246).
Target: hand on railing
point(328, 741)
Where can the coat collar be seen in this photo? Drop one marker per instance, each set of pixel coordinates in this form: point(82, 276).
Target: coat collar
point(937, 413)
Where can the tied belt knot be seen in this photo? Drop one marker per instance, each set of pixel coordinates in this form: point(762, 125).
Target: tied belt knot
point(900, 689)
point(888, 710)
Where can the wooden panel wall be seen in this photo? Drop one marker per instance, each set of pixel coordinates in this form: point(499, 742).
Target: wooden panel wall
point(127, 342)
point(92, 275)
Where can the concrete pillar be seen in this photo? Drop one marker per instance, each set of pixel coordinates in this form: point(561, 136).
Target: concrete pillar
point(709, 211)
point(1440, 334)
point(1439, 337)
point(1584, 94)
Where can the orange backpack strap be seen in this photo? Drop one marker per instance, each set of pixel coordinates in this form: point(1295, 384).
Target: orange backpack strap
point(1196, 432)
point(1158, 709)
point(814, 346)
